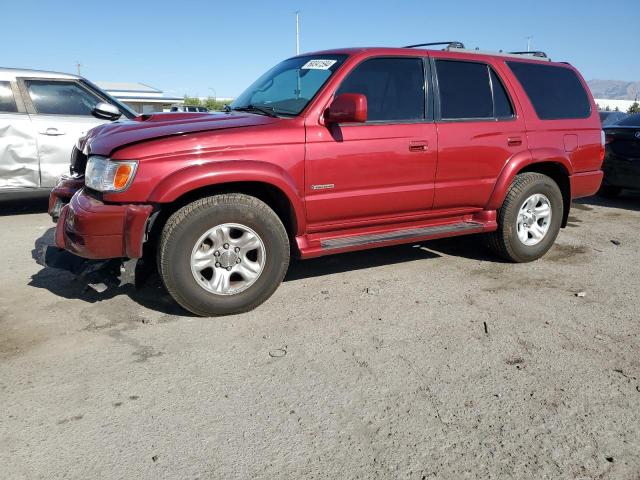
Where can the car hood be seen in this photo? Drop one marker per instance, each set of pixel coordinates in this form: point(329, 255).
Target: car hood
point(106, 138)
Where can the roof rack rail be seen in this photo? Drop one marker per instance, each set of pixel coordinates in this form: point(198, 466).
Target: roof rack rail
point(453, 44)
point(534, 53)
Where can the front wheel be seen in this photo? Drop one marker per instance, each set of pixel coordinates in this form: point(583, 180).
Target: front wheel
point(223, 254)
point(529, 219)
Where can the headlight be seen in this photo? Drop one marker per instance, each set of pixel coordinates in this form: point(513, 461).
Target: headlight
point(105, 175)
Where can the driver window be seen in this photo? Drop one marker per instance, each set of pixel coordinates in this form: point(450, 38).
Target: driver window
point(60, 98)
point(394, 88)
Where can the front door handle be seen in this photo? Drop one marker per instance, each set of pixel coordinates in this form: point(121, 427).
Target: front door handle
point(52, 131)
point(514, 141)
point(418, 146)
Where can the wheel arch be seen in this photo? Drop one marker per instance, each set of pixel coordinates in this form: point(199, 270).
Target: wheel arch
point(549, 162)
point(264, 181)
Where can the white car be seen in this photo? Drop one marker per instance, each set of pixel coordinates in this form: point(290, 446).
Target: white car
point(42, 115)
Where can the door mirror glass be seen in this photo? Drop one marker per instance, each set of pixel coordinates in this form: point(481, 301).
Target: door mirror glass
point(347, 108)
point(106, 111)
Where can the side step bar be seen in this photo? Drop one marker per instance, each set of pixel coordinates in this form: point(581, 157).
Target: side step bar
point(368, 239)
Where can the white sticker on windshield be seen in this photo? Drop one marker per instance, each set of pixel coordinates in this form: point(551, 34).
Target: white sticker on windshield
point(319, 64)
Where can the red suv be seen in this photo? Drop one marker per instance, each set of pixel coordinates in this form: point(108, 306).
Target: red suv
point(331, 152)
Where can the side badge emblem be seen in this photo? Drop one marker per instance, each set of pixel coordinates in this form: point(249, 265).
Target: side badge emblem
point(325, 186)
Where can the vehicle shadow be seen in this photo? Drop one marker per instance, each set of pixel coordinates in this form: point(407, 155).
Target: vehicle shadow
point(24, 206)
point(469, 246)
point(628, 200)
point(69, 276)
point(345, 262)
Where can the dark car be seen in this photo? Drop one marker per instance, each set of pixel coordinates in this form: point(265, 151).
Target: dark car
point(622, 157)
point(611, 118)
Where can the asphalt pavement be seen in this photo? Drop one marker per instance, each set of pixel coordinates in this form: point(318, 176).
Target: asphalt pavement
point(434, 360)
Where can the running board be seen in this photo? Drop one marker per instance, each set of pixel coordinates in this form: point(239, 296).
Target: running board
point(407, 234)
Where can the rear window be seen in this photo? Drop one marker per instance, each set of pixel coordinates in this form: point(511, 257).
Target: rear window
point(630, 121)
point(471, 90)
point(555, 92)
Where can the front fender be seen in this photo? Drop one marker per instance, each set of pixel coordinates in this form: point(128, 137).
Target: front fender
point(520, 161)
point(197, 176)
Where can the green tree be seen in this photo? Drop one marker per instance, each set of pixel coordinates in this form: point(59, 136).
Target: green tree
point(192, 100)
point(212, 104)
point(616, 109)
point(634, 108)
point(607, 108)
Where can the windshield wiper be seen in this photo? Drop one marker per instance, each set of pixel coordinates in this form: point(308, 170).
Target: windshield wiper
point(261, 109)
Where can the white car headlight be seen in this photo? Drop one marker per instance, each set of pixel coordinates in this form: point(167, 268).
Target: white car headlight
point(105, 175)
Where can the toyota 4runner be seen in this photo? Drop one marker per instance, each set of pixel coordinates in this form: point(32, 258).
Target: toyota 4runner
point(331, 152)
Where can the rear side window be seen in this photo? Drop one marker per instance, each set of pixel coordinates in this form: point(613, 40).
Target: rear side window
point(60, 98)
point(394, 88)
point(7, 101)
point(503, 107)
point(555, 92)
point(465, 91)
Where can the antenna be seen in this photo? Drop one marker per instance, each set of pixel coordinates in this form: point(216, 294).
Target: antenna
point(529, 42)
point(78, 65)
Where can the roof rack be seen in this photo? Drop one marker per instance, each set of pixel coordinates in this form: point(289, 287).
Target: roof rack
point(432, 44)
point(533, 53)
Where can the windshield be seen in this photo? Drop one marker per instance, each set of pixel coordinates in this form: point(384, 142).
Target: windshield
point(288, 87)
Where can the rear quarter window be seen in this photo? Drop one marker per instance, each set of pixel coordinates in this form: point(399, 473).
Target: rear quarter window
point(555, 92)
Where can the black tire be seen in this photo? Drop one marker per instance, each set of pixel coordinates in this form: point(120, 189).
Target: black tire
point(505, 241)
point(609, 191)
point(185, 227)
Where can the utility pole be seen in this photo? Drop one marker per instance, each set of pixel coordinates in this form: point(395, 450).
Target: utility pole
point(78, 66)
point(297, 32)
point(529, 42)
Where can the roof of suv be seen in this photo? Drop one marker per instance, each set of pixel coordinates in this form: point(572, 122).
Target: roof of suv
point(405, 50)
point(11, 73)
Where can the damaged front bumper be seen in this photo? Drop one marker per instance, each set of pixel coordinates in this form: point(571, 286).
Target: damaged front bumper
point(61, 194)
point(92, 229)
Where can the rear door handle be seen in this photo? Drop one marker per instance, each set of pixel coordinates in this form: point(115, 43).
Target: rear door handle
point(514, 141)
point(418, 146)
point(52, 131)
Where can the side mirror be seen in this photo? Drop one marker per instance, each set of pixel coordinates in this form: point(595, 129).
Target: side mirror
point(347, 108)
point(106, 111)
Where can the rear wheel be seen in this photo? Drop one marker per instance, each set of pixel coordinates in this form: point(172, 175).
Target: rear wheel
point(529, 219)
point(223, 254)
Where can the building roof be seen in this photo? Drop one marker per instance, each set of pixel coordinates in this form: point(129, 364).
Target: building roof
point(131, 87)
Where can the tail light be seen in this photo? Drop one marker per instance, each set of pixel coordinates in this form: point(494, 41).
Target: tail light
point(604, 139)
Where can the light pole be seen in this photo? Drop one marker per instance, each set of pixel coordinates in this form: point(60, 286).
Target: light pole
point(297, 32)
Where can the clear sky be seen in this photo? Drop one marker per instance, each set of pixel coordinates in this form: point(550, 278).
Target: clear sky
point(206, 47)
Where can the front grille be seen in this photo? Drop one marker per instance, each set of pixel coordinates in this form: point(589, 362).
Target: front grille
point(78, 162)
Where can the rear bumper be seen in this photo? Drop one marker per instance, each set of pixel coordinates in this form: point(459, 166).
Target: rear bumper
point(585, 184)
point(622, 172)
point(92, 229)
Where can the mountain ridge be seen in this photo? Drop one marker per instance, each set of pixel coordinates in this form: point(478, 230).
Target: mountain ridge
point(614, 89)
